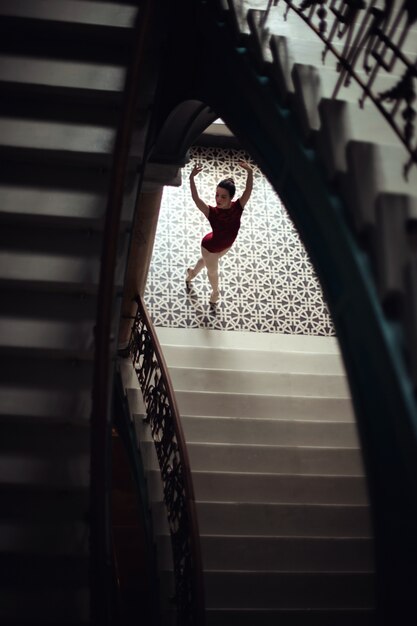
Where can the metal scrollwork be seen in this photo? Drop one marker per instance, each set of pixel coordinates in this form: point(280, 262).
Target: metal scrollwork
point(162, 416)
point(370, 40)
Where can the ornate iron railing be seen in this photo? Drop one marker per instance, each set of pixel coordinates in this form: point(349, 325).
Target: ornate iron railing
point(371, 38)
point(163, 417)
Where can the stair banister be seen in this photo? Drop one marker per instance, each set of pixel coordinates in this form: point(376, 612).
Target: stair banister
point(164, 420)
point(369, 48)
point(101, 567)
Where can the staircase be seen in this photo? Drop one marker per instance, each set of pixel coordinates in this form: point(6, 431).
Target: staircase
point(62, 74)
point(278, 477)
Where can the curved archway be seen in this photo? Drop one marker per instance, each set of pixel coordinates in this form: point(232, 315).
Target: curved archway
point(381, 388)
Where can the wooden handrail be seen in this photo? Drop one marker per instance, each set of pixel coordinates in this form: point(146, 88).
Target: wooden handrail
point(164, 419)
point(100, 557)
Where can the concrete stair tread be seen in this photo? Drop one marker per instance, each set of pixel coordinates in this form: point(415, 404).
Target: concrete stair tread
point(342, 122)
point(78, 196)
point(290, 617)
point(54, 469)
point(23, 604)
point(32, 437)
point(45, 388)
point(266, 488)
point(286, 52)
point(374, 170)
point(285, 590)
point(54, 537)
point(60, 139)
point(45, 403)
point(271, 342)
point(56, 339)
point(48, 268)
point(30, 570)
point(73, 264)
point(312, 85)
point(272, 431)
point(280, 553)
point(279, 361)
point(264, 406)
point(29, 71)
point(88, 12)
point(260, 590)
point(38, 504)
point(268, 383)
point(263, 459)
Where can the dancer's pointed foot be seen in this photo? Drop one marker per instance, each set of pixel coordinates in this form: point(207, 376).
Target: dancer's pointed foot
point(190, 275)
point(214, 298)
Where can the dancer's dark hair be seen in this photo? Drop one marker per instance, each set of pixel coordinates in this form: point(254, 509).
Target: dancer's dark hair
point(229, 185)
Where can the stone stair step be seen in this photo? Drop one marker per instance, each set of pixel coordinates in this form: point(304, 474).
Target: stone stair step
point(58, 339)
point(262, 590)
point(374, 170)
point(77, 198)
point(290, 617)
point(268, 383)
point(47, 604)
point(262, 360)
point(266, 407)
point(51, 256)
point(52, 470)
point(313, 84)
point(245, 340)
point(55, 325)
point(250, 458)
point(342, 122)
point(89, 13)
point(36, 571)
point(287, 52)
point(272, 431)
point(44, 439)
point(45, 536)
point(289, 554)
point(72, 77)
point(45, 388)
point(32, 507)
point(63, 140)
point(261, 489)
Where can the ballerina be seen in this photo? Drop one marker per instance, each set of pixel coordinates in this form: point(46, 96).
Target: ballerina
point(224, 220)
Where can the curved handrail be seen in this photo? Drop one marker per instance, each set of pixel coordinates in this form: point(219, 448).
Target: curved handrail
point(100, 570)
point(163, 417)
point(369, 41)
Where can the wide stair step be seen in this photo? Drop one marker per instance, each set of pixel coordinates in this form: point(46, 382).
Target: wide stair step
point(62, 76)
point(282, 500)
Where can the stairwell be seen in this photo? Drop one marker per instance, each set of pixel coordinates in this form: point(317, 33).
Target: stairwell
point(60, 86)
point(62, 75)
point(277, 471)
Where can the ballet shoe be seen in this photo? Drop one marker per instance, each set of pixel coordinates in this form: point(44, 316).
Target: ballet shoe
point(214, 298)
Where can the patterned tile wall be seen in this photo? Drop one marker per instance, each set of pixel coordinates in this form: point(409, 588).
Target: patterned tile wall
point(267, 283)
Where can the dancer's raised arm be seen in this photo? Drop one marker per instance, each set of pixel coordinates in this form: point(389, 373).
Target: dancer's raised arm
point(249, 182)
point(194, 193)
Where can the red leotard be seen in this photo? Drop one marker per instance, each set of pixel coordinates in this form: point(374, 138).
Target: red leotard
point(225, 224)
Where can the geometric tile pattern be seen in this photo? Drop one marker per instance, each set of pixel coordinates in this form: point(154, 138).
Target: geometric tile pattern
point(267, 283)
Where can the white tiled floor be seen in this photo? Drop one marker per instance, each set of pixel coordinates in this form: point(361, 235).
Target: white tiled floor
point(266, 281)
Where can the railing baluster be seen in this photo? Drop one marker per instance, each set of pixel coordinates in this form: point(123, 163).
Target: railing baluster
point(163, 418)
point(378, 43)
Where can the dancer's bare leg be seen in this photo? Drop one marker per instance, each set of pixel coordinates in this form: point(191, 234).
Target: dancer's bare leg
point(211, 260)
point(193, 271)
